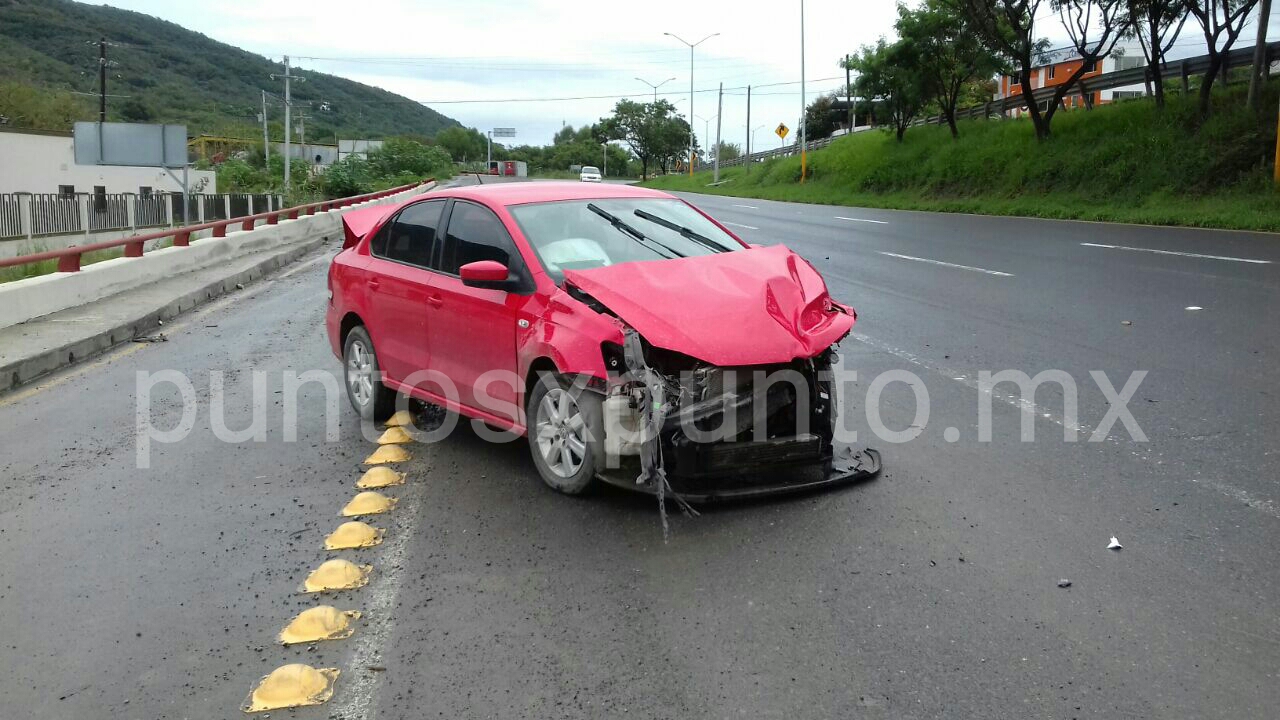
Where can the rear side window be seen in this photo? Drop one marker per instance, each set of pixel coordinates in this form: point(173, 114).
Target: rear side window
point(475, 233)
point(411, 236)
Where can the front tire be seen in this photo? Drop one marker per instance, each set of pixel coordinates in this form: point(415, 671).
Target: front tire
point(363, 376)
point(566, 433)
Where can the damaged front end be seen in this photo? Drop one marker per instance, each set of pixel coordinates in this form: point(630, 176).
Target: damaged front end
point(678, 426)
point(722, 386)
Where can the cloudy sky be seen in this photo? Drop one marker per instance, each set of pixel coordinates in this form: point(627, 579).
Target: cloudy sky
point(515, 63)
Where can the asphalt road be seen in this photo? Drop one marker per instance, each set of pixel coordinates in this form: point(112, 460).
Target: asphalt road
point(931, 592)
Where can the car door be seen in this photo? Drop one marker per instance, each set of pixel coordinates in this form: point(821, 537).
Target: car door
point(399, 286)
point(473, 330)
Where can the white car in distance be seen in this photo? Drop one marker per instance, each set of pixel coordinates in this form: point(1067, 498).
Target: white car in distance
point(589, 174)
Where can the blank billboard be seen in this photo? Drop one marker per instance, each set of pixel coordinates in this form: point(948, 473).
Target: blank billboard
point(135, 144)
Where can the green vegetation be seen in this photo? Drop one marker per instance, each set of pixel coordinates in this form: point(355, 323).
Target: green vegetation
point(399, 161)
point(1127, 162)
point(173, 75)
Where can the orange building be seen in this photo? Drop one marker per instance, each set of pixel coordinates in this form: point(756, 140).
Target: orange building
point(1057, 71)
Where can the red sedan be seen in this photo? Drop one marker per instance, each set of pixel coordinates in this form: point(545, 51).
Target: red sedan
point(630, 336)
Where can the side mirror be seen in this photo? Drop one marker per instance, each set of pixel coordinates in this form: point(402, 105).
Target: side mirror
point(488, 274)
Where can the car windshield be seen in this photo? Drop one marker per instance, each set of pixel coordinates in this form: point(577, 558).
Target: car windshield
point(591, 170)
point(579, 234)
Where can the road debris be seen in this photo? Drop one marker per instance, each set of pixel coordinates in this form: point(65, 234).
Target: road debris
point(1115, 544)
point(1064, 583)
point(151, 338)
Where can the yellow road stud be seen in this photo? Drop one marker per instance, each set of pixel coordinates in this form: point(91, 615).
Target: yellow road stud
point(294, 685)
point(368, 502)
point(350, 535)
point(387, 454)
point(319, 623)
point(337, 575)
point(400, 419)
point(395, 436)
point(380, 477)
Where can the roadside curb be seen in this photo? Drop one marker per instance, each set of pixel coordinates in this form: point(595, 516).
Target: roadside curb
point(24, 370)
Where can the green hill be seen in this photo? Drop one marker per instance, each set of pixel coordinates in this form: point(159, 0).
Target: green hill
point(48, 53)
point(1125, 162)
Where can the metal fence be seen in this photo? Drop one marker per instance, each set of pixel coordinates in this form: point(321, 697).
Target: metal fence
point(24, 215)
point(1182, 69)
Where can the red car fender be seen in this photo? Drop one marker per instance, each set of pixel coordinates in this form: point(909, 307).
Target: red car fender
point(569, 334)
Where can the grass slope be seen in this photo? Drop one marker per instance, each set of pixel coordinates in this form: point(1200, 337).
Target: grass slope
point(178, 75)
point(1125, 162)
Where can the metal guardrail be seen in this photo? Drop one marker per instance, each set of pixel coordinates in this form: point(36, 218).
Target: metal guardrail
point(69, 258)
point(1107, 81)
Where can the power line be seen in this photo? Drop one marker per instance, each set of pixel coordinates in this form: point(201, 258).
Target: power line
point(609, 97)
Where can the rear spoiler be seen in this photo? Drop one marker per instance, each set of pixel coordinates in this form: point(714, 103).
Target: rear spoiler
point(357, 223)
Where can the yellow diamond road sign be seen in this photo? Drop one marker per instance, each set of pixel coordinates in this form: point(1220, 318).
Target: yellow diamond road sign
point(782, 131)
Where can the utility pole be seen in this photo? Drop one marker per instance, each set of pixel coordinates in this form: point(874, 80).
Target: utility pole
point(804, 140)
point(266, 142)
point(746, 159)
point(102, 80)
point(848, 92)
point(288, 99)
point(719, 120)
point(488, 159)
point(1261, 64)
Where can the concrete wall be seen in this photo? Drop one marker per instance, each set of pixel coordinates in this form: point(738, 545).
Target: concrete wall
point(24, 300)
point(39, 163)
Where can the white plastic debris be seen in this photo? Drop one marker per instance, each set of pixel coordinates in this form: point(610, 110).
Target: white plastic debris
point(1115, 544)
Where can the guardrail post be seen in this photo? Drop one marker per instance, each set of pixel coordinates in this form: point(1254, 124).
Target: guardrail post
point(182, 239)
point(220, 230)
point(69, 263)
point(133, 249)
point(247, 224)
point(26, 212)
point(83, 207)
point(273, 218)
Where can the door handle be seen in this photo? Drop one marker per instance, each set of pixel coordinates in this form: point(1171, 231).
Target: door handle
point(435, 300)
point(373, 283)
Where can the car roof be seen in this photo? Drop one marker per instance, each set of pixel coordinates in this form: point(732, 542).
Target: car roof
point(520, 193)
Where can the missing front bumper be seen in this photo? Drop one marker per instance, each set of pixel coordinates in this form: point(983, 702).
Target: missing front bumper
point(848, 466)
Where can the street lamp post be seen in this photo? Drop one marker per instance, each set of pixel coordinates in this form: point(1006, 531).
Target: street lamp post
point(803, 104)
point(691, 47)
point(706, 126)
point(655, 87)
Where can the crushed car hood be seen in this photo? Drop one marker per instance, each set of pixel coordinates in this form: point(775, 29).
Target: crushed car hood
point(357, 223)
point(750, 307)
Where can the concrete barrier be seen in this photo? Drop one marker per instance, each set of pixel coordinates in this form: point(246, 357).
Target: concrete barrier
point(23, 300)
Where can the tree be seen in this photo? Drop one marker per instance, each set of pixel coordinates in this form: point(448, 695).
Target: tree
point(819, 118)
point(890, 74)
point(1221, 22)
point(1156, 24)
point(463, 143)
point(651, 130)
point(728, 151)
point(1008, 29)
point(400, 156)
point(133, 110)
point(950, 54)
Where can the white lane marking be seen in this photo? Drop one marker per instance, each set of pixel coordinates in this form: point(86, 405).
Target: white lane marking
point(749, 227)
point(877, 222)
point(359, 698)
point(1181, 254)
point(749, 207)
point(1194, 307)
point(947, 264)
point(1028, 406)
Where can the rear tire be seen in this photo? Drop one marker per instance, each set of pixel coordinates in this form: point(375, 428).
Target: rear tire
point(566, 433)
point(363, 377)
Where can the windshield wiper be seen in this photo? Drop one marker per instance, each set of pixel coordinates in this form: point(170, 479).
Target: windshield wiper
point(640, 237)
point(702, 240)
